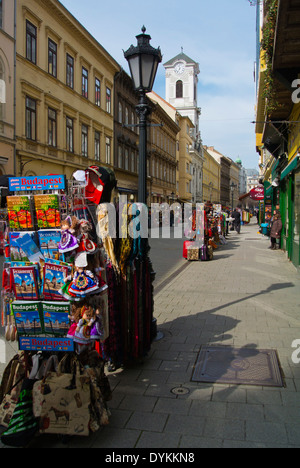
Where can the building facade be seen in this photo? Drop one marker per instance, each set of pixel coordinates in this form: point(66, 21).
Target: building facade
point(64, 92)
point(7, 87)
point(184, 141)
point(278, 111)
point(126, 136)
point(211, 178)
point(243, 177)
point(234, 183)
point(182, 93)
point(161, 164)
point(225, 178)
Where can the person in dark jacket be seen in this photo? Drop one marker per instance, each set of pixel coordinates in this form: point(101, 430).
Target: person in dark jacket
point(276, 228)
point(237, 220)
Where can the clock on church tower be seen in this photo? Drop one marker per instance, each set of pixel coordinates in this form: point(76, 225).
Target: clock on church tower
point(181, 85)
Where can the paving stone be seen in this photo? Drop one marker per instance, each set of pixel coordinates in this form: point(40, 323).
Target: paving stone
point(147, 421)
point(270, 433)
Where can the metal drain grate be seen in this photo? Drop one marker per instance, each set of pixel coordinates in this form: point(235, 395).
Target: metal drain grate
point(240, 366)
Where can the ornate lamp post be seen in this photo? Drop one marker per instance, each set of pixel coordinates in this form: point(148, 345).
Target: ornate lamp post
point(143, 62)
point(232, 187)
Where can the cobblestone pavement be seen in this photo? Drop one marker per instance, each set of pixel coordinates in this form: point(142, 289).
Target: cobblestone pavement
point(248, 296)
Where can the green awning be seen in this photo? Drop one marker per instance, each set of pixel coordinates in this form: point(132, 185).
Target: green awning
point(269, 191)
point(291, 167)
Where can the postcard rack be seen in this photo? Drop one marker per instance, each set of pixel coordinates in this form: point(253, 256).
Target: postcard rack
point(37, 307)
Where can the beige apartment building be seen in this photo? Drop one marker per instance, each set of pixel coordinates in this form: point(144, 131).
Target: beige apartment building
point(234, 182)
point(211, 178)
point(184, 142)
point(7, 81)
point(64, 92)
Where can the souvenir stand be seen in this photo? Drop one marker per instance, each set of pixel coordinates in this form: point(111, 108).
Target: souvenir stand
point(197, 247)
point(208, 230)
point(246, 217)
point(128, 270)
point(55, 304)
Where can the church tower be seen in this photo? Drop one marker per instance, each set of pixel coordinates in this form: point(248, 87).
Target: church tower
point(182, 88)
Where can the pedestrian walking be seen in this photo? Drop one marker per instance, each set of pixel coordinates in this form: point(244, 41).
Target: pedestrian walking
point(236, 215)
point(276, 228)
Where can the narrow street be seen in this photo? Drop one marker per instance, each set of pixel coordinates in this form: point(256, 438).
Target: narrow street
point(246, 298)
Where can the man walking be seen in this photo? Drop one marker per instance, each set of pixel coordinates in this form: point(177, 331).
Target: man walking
point(237, 220)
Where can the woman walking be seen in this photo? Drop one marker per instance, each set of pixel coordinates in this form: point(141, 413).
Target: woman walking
point(276, 228)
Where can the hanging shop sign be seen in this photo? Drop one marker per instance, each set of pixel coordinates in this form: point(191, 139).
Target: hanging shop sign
point(51, 182)
point(257, 193)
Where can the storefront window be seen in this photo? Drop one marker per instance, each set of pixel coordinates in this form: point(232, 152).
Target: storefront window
point(297, 209)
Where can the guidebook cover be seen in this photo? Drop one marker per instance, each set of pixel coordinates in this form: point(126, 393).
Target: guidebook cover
point(19, 212)
point(17, 254)
point(28, 318)
point(47, 210)
point(56, 317)
point(27, 244)
point(25, 283)
point(54, 278)
point(48, 241)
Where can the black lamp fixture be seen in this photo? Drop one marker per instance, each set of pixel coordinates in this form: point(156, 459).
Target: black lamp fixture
point(232, 188)
point(143, 60)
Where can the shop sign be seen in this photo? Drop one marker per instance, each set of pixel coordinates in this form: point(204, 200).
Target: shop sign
point(41, 343)
point(51, 182)
point(257, 193)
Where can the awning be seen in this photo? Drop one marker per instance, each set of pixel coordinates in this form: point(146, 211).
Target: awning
point(269, 191)
point(246, 195)
point(290, 167)
point(273, 138)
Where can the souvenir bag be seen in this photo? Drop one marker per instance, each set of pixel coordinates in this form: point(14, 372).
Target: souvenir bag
point(204, 253)
point(210, 252)
point(186, 245)
point(99, 415)
point(42, 370)
point(11, 384)
point(193, 253)
point(65, 405)
point(23, 425)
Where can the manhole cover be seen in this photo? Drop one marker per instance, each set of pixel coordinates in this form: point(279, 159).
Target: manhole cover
point(245, 366)
point(180, 391)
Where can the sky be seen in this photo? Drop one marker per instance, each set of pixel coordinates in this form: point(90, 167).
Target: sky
point(218, 34)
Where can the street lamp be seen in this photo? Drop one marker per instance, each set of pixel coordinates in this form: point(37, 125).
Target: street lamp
point(232, 187)
point(143, 62)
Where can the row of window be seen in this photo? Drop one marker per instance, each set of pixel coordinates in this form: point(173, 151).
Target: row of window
point(31, 128)
point(128, 160)
point(163, 141)
point(31, 55)
point(159, 138)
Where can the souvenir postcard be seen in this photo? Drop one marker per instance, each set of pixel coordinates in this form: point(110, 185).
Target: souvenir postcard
point(47, 210)
point(56, 317)
point(19, 212)
point(53, 280)
point(48, 241)
point(28, 318)
point(25, 282)
point(27, 244)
